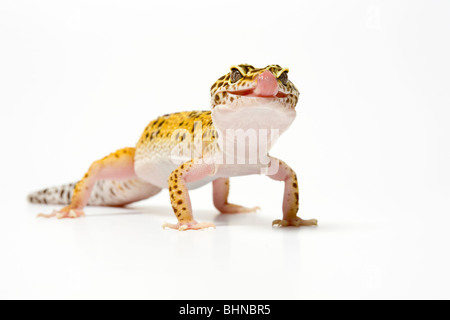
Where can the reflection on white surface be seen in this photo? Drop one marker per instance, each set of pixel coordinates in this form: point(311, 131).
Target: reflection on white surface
point(124, 253)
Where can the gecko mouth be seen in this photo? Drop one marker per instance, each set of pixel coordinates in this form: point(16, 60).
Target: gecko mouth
point(252, 93)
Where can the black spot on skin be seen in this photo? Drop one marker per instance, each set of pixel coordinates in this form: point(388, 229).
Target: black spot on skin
point(178, 215)
point(180, 192)
point(295, 185)
point(161, 123)
point(195, 126)
point(61, 195)
point(69, 196)
point(180, 202)
point(112, 192)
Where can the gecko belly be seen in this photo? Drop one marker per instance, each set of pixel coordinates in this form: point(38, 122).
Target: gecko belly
point(158, 149)
point(157, 173)
point(154, 165)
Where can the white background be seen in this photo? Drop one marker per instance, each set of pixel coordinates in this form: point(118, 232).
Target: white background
point(80, 79)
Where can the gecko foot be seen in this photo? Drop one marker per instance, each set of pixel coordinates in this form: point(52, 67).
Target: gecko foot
point(296, 222)
point(189, 226)
point(63, 214)
point(235, 209)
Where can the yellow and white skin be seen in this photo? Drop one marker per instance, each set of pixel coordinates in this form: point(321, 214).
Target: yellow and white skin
point(250, 108)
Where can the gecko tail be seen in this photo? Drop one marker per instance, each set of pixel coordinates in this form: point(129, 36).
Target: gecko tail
point(104, 193)
point(61, 195)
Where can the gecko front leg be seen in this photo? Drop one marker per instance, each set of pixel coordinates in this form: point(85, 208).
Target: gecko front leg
point(191, 171)
point(291, 196)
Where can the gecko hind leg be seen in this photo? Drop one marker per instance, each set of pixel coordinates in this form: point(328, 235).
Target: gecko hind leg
point(110, 181)
point(221, 190)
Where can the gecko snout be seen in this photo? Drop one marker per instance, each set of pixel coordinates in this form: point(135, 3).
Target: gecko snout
point(266, 85)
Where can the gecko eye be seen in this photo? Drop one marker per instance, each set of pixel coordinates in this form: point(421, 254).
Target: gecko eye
point(235, 75)
point(284, 78)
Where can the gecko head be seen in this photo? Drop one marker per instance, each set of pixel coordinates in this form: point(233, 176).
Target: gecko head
point(249, 97)
point(247, 85)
